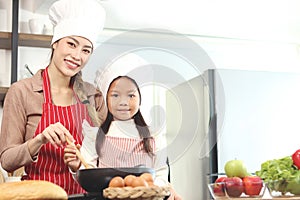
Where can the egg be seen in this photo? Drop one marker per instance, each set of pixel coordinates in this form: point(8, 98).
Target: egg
point(129, 179)
point(117, 182)
point(147, 176)
point(139, 181)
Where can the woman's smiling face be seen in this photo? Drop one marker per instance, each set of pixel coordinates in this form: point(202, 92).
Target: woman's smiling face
point(123, 99)
point(71, 54)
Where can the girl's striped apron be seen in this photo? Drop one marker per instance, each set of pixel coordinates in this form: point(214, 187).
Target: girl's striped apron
point(50, 165)
point(125, 152)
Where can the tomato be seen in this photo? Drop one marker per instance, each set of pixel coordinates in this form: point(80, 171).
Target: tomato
point(296, 158)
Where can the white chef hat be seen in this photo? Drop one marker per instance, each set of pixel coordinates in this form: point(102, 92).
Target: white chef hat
point(83, 18)
point(105, 77)
point(122, 66)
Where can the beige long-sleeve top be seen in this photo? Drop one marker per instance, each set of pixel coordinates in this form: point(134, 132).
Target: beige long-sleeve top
point(22, 111)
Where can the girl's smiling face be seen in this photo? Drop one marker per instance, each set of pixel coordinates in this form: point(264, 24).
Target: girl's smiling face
point(123, 99)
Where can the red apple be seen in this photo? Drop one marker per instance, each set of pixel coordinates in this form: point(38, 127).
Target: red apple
point(252, 185)
point(219, 187)
point(234, 186)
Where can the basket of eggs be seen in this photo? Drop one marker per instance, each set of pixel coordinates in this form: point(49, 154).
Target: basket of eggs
point(136, 183)
point(133, 187)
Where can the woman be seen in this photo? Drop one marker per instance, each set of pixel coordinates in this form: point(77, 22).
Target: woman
point(124, 139)
point(40, 112)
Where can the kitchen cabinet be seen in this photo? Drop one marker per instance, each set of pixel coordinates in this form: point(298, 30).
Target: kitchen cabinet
point(12, 40)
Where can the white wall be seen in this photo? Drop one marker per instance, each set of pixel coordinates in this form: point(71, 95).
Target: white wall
point(258, 113)
point(258, 55)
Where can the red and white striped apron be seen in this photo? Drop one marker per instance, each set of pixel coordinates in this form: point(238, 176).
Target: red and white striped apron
point(50, 165)
point(125, 152)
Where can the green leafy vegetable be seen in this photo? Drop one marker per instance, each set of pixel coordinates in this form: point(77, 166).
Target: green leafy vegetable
point(281, 175)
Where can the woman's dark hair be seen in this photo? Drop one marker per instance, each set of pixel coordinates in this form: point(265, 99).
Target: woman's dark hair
point(139, 121)
point(77, 83)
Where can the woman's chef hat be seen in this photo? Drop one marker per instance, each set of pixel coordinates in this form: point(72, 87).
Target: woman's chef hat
point(83, 18)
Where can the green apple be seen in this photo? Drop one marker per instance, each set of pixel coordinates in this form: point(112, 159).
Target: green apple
point(236, 168)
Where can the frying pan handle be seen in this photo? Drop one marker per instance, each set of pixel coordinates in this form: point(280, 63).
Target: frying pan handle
point(140, 166)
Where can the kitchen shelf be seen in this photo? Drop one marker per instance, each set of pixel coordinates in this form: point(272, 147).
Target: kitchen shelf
point(34, 40)
point(25, 39)
point(3, 91)
point(5, 40)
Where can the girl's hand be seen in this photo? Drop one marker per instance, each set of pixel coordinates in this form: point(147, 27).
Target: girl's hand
point(55, 134)
point(70, 157)
point(174, 195)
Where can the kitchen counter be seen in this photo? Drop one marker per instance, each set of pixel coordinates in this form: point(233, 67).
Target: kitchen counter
point(84, 197)
point(266, 196)
point(281, 198)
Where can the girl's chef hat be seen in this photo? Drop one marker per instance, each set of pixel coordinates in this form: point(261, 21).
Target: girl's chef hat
point(121, 66)
point(83, 18)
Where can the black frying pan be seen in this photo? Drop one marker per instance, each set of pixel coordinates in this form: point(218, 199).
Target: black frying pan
point(96, 179)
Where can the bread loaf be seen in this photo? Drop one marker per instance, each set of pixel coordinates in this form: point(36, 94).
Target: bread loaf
point(1, 177)
point(31, 190)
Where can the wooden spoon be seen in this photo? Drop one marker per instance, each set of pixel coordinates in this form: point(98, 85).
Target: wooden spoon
point(78, 154)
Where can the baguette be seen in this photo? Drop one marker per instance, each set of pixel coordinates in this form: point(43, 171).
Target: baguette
point(31, 190)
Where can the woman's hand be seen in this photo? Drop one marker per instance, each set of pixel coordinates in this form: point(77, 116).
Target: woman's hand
point(55, 134)
point(70, 157)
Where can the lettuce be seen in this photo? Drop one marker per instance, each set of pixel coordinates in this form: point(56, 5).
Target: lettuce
point(280, 175)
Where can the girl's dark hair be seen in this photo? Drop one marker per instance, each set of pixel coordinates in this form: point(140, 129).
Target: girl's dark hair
point(139, 121)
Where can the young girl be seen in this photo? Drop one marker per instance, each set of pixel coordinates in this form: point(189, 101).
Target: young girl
point(124, 139)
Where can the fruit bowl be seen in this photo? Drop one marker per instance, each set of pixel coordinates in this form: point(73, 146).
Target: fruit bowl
point(254, 191)
point(284, 188)
point(232, 190)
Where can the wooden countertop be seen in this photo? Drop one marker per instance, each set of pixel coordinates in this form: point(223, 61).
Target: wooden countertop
point(266, 196)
